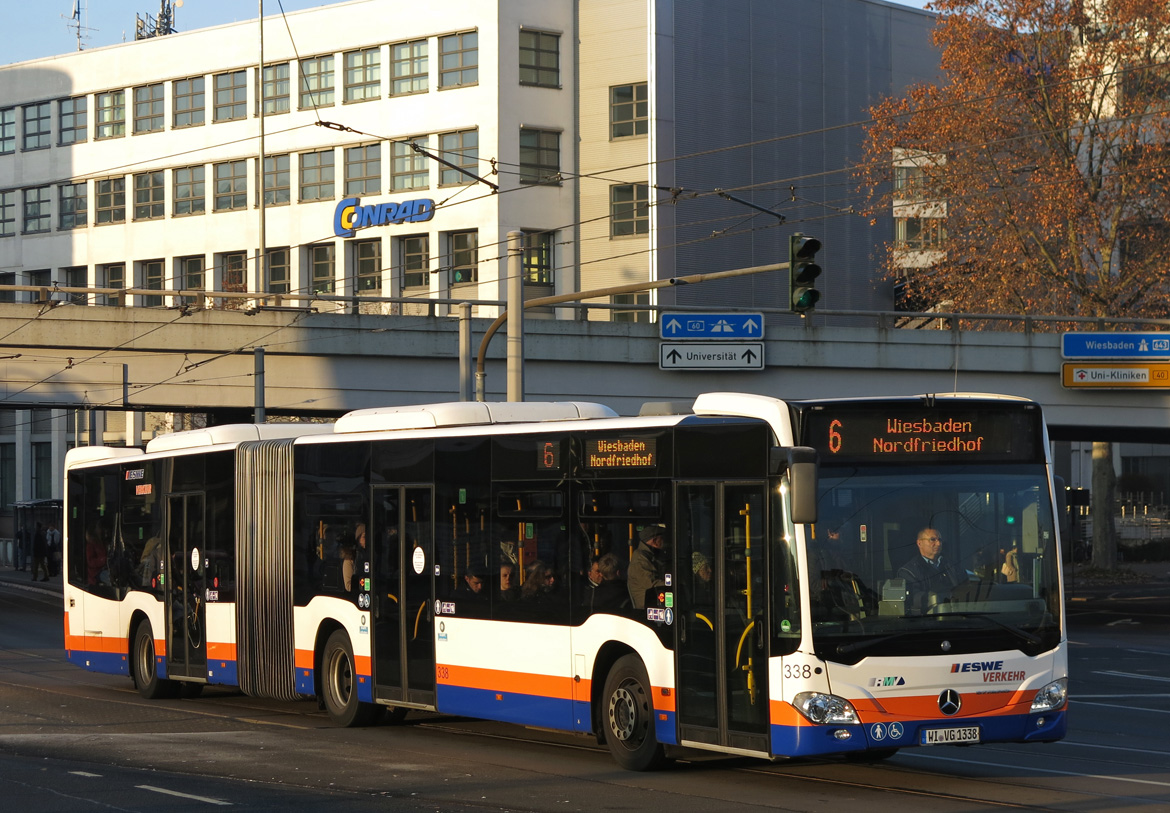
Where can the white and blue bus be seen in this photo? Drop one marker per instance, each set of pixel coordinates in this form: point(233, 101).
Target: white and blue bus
point(452, 558)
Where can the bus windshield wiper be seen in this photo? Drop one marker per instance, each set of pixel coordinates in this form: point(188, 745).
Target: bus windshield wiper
point(1020, 633)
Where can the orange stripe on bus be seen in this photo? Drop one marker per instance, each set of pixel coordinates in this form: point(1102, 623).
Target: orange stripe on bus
point(221, 652)
point(472, 677)
point(926, 708)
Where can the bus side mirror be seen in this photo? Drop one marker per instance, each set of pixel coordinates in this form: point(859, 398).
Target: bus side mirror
point(801, 462)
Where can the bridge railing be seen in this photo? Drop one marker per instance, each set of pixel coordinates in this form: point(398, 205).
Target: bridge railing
point(250, 301)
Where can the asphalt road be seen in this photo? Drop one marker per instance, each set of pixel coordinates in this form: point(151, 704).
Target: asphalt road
point(76, 741)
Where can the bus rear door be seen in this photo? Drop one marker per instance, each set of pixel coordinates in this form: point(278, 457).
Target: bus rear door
point(185, 587)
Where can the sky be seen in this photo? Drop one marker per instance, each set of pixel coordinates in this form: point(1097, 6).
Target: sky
point(35, 29)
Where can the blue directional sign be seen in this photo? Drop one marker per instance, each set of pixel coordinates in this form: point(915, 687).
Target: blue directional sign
point(1115, 345)
point(711, 326)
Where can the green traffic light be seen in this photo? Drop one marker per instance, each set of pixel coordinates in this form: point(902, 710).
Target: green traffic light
point(802, 272)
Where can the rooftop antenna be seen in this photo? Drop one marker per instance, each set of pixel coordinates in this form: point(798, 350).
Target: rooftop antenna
point(76, 23)
point(146, 26)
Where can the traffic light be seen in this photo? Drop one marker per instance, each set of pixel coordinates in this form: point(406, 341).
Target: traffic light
point(802, 273)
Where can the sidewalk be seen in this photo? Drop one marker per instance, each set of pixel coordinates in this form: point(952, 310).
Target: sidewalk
point(22, 579)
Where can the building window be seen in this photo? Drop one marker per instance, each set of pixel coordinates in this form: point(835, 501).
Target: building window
point(464, 257)
point(41, 278)
point(368, 258)
point(149, 195)
point(231, 186)
point(8, 213)
point(316, 82)
point(72, 120)
point(38, 126)
point(8, 130)
point(629, 112)
point(8, 278)
point(363, 170)
point(409, 169)
point(111, 114)
point(110, 200)
point(276, 180)
point(189, 192)
point(540, 59)
point(152, 280)
point(632, 315)
point(629, 210)
point(537, 262)
point(76, 276)
point(38, 210)
point(276, 89)
point(8, 472)
point(459, 59)
point(462, 149)
point(187, 101)
point(231, 96)
point(277, 276)
point(317, 175)
point(408, 64)
point(540, 156)
point(363, 75)
point(191, 274)
point(235, 275)
point(44, 473)
point(148, 108)
point(416, 261)
point(73, 205)
point(112, 276)
point(321, 261)
point(919, 233)
point(908, 180)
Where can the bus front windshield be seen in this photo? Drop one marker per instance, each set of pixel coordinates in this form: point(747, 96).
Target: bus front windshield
point(942, 559)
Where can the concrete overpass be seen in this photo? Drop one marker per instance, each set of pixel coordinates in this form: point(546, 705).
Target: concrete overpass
point(327, 363)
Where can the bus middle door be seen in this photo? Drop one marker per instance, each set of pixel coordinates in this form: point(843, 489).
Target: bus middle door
point(402, 539)
point(721, 609)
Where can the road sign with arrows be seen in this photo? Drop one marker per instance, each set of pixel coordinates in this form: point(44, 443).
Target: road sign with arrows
point(711, 356)
point(711, 326)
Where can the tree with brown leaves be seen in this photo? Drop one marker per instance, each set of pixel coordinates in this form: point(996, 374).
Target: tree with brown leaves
point(1045, 150)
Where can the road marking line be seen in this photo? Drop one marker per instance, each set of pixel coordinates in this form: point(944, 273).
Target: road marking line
point(210, 801)
point(1135, 675)
point(968, 761)
point(1119, 706)
point(86, 773)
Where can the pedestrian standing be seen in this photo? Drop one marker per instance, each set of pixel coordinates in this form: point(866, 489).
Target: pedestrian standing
point(40, 549)
point(53, 540)
point(21, 537)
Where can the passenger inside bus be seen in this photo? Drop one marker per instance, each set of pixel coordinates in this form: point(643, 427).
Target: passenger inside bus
point(648, 565)
point(605, 590)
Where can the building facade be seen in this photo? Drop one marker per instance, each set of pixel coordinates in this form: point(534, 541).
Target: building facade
point(356, 151)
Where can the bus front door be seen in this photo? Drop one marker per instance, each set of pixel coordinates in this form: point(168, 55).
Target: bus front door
point(721, 612)
point(185, 588)
point(402, 551)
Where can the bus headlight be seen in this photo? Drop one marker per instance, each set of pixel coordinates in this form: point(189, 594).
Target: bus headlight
point(1052, 696)
point(825, 709)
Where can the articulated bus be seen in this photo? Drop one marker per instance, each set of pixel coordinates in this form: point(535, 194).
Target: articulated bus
point(471, 559)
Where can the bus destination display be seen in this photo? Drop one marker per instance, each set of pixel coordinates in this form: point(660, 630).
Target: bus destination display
point(915, 435)
point(620, 453)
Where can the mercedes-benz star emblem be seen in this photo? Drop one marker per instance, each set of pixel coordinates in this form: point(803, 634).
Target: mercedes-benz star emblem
point(949, 702)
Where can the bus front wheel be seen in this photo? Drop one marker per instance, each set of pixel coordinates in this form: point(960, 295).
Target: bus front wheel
point(145, 667)
point(628, 717)
point(339, 684)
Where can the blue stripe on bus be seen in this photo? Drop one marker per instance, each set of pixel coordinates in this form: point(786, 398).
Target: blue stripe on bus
point(507, 707)
point(111, 663)
point(816, 740)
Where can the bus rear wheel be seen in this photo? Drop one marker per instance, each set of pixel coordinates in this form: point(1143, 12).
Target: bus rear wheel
point(628, 717)
point(145, 668)
point(339, 684)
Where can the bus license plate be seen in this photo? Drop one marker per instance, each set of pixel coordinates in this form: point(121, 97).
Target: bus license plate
point(949, 736)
